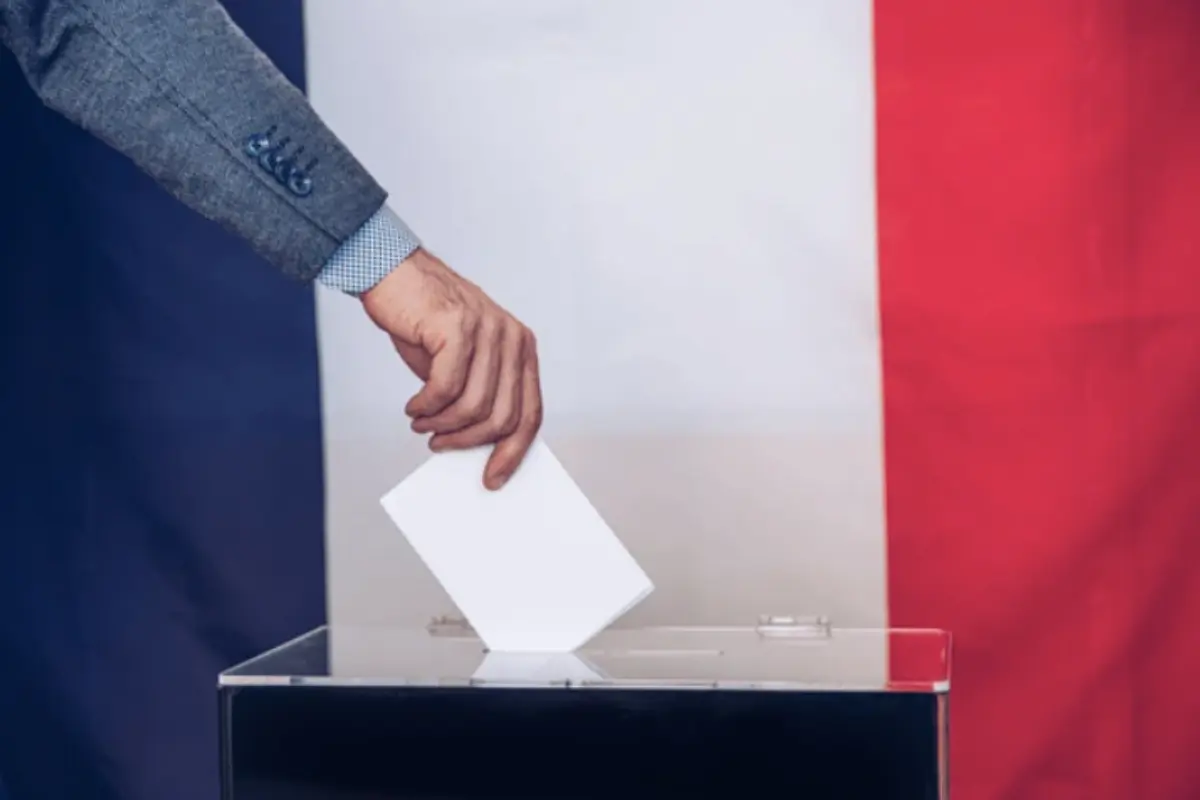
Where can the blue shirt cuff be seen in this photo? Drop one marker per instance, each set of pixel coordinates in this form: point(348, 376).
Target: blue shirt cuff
point(370, 254)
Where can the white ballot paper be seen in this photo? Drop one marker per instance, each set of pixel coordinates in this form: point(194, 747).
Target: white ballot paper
point(533, 567)
point(522, 669)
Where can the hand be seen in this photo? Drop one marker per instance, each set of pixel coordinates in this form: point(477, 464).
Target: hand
point(479, 364)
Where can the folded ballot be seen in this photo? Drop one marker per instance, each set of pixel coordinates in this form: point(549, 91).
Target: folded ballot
point(533, 567)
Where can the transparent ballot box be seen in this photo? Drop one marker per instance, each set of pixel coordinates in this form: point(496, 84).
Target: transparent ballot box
point(782, 708)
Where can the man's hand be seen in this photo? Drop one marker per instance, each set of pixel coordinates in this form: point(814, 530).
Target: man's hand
point(478, 362)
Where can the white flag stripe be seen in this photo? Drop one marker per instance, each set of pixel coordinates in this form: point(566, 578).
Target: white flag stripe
point(678, 196)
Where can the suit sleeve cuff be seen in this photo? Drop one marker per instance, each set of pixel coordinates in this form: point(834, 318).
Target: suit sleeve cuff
point(372, 252)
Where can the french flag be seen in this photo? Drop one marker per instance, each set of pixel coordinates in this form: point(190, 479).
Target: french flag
point(883, 311)
point(888, 311)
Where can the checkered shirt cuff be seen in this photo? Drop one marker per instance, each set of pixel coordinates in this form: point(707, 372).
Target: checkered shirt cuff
point(370, 254)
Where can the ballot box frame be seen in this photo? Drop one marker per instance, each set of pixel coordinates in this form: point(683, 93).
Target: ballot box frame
point(287, 737)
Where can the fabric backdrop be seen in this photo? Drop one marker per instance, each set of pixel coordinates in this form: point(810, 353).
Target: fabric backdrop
point(784, 253)
point(160, 460)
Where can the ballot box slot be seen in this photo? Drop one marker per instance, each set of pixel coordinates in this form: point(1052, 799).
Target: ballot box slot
point(766, 626)
point(664, 653)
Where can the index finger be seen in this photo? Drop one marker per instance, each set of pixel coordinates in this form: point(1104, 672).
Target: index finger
point(510, 452)
point(448, 370)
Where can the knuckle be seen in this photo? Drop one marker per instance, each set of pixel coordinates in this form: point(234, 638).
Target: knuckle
point(529, 339)
point(489, 329)
point(457, 353)
point(465, 322)
point(442, 397)
point(453, 441)
point(456, 334)
point(436, 402)
point(533, 415)
point(475, 408)
point(440, 390)
point(473, 437)
point(507, 424)
point(514, 335)
point(460, 379)
point(486, 434)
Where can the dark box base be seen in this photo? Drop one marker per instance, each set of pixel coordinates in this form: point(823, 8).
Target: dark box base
point(357, 743)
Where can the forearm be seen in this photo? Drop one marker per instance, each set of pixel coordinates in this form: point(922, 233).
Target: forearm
point(178, 88)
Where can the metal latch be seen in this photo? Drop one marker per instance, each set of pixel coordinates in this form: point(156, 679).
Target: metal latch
point(451, 628)
point(791, 627)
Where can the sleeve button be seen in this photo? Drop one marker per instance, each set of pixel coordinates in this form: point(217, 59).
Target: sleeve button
point(258, 143)
point(299, 184)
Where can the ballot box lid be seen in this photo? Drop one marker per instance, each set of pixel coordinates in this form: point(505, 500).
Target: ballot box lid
point(774, 653)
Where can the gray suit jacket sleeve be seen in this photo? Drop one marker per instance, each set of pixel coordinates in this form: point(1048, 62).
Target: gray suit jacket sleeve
point(177, 87)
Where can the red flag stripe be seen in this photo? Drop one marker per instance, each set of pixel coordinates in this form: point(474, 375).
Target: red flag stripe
point(1039, 188)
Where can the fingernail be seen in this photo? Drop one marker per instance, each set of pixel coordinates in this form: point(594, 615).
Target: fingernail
point(495, 482)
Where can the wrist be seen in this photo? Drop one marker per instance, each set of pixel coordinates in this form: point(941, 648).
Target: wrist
point(413, 262)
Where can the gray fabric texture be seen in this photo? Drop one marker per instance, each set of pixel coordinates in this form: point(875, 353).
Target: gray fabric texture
point(177, 87)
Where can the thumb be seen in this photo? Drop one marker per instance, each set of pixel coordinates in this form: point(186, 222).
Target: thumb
point(415, 356)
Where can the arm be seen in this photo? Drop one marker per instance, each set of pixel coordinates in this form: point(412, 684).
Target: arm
point(177, 87)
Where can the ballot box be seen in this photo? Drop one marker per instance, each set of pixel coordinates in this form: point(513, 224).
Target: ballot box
point(782, 707)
